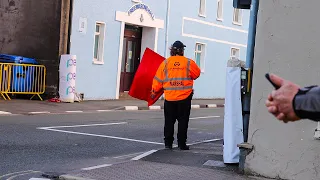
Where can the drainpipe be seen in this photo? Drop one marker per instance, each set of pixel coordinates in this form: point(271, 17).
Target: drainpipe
point(246, 148)
point(249, 62)
point(167, 29)
point(70, 26)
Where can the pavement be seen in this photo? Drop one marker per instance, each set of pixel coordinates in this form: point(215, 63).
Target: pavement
point(32, 107)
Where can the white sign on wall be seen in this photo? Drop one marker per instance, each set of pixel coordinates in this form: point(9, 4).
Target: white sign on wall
point(83, 25)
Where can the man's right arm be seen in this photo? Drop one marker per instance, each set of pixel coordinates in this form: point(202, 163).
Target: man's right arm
point(195, 71)
point(306, 103)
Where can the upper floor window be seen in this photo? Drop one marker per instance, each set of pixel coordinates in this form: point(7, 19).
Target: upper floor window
point(202, 8)
point(98, 43)
point(237, 16)
point(220, 10)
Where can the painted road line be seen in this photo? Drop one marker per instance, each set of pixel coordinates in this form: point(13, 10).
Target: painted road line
point(98, 135)
point(211, 105)
point(131, 108)
point(104, 110)
point(205, 117)
point(39, 179)
point(144, 155)
point(13, 177)
point(155, 107)
point(5, 113)
point(14, 173)
point(205, 141)
point(96, 167)
point(195, 106)
point(40, 112)
point(83, 125)
point(128, 155)
point(74, 111)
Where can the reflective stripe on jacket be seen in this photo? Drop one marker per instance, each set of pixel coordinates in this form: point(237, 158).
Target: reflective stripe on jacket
point(175, 76)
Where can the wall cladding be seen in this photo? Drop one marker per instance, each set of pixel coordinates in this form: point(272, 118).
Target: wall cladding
point(31, 28)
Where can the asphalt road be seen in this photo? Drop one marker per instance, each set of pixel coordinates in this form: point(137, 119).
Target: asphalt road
point(30, 145)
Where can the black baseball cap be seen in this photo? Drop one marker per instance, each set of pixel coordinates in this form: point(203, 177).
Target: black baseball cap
point(178, 45)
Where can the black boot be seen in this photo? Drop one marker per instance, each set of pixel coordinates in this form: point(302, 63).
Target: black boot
point(183, 146)
point(168, 146)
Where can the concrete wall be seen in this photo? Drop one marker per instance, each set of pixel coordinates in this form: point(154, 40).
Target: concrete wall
point(31, 28)
point(287, 44)
point(219, 37)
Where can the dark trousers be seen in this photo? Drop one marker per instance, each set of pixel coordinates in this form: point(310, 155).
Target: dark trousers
point(176, 110)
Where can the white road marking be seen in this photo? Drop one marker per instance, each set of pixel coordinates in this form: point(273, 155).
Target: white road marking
point(144, 155)
point(205, 117)
point(39, 179)
point(40, 112)
point(104, 110)
point(32, 172)
point(10, 174)
point(205, 141)
point(84, 125)
point(96, 167)
point(98, 135)
point(127, 155)
point(74, 111)
point(5, 113)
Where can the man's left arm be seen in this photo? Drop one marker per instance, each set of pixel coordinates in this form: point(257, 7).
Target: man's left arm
point(157, 83)
point(194, 70)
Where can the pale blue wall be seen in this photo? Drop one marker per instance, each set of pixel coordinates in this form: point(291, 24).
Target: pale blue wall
point(211, 84)
point(99, 81)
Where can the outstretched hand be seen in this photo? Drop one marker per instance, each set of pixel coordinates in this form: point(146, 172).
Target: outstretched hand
point(279, 102)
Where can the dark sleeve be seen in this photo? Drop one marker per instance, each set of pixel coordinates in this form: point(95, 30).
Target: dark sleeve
point(306, 103)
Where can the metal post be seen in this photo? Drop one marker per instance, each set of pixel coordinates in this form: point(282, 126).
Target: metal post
point(167, 29)
point(249, 64)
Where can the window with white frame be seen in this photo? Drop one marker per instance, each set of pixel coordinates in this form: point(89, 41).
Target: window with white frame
point(200, 55)
point(235, 52)
point(99, 43)
point(237, 16)
point(202, 8)
point(220, 10)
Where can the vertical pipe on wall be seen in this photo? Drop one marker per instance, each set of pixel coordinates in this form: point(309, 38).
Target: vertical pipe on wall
point(249, 63)
point(167, 29)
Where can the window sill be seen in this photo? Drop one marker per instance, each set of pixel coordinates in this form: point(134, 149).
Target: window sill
point(97, 62)
point(219, 19)
point(202, 15)
point(236, 23)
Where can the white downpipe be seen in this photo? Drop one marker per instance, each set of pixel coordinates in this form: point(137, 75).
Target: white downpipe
point(167, 29)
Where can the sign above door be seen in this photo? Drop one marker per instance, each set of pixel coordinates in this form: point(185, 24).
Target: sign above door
point(142, 7)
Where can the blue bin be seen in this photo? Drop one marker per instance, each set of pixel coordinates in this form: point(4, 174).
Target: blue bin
point(23, 77)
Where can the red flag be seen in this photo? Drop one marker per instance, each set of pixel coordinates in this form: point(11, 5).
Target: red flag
point(142, 82)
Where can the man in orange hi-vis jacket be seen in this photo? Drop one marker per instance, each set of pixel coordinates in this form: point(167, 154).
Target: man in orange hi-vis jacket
point(175, 76)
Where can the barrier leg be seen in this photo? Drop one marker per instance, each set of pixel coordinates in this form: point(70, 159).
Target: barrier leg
point(4, 98)
point(8, 97)
point(36, 95)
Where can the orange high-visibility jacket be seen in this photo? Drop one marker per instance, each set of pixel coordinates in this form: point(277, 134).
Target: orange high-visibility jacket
point(175, 76)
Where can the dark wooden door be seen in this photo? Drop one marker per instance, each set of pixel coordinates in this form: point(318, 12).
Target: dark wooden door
point(130, 56)
point(130, 62)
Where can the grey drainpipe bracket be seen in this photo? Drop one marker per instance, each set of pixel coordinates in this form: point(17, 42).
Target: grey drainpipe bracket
point(246, 146)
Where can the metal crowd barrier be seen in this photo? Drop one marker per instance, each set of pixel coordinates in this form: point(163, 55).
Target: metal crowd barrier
point(22, 79)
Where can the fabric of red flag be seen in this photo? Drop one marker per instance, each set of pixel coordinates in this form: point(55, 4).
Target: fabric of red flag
point(142, 82)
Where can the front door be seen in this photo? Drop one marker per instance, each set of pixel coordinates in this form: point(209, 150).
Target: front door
point(130, 58)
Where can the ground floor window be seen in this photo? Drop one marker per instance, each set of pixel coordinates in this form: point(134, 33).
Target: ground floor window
point(199, 55)
point(235, 52)
point(98, 43)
